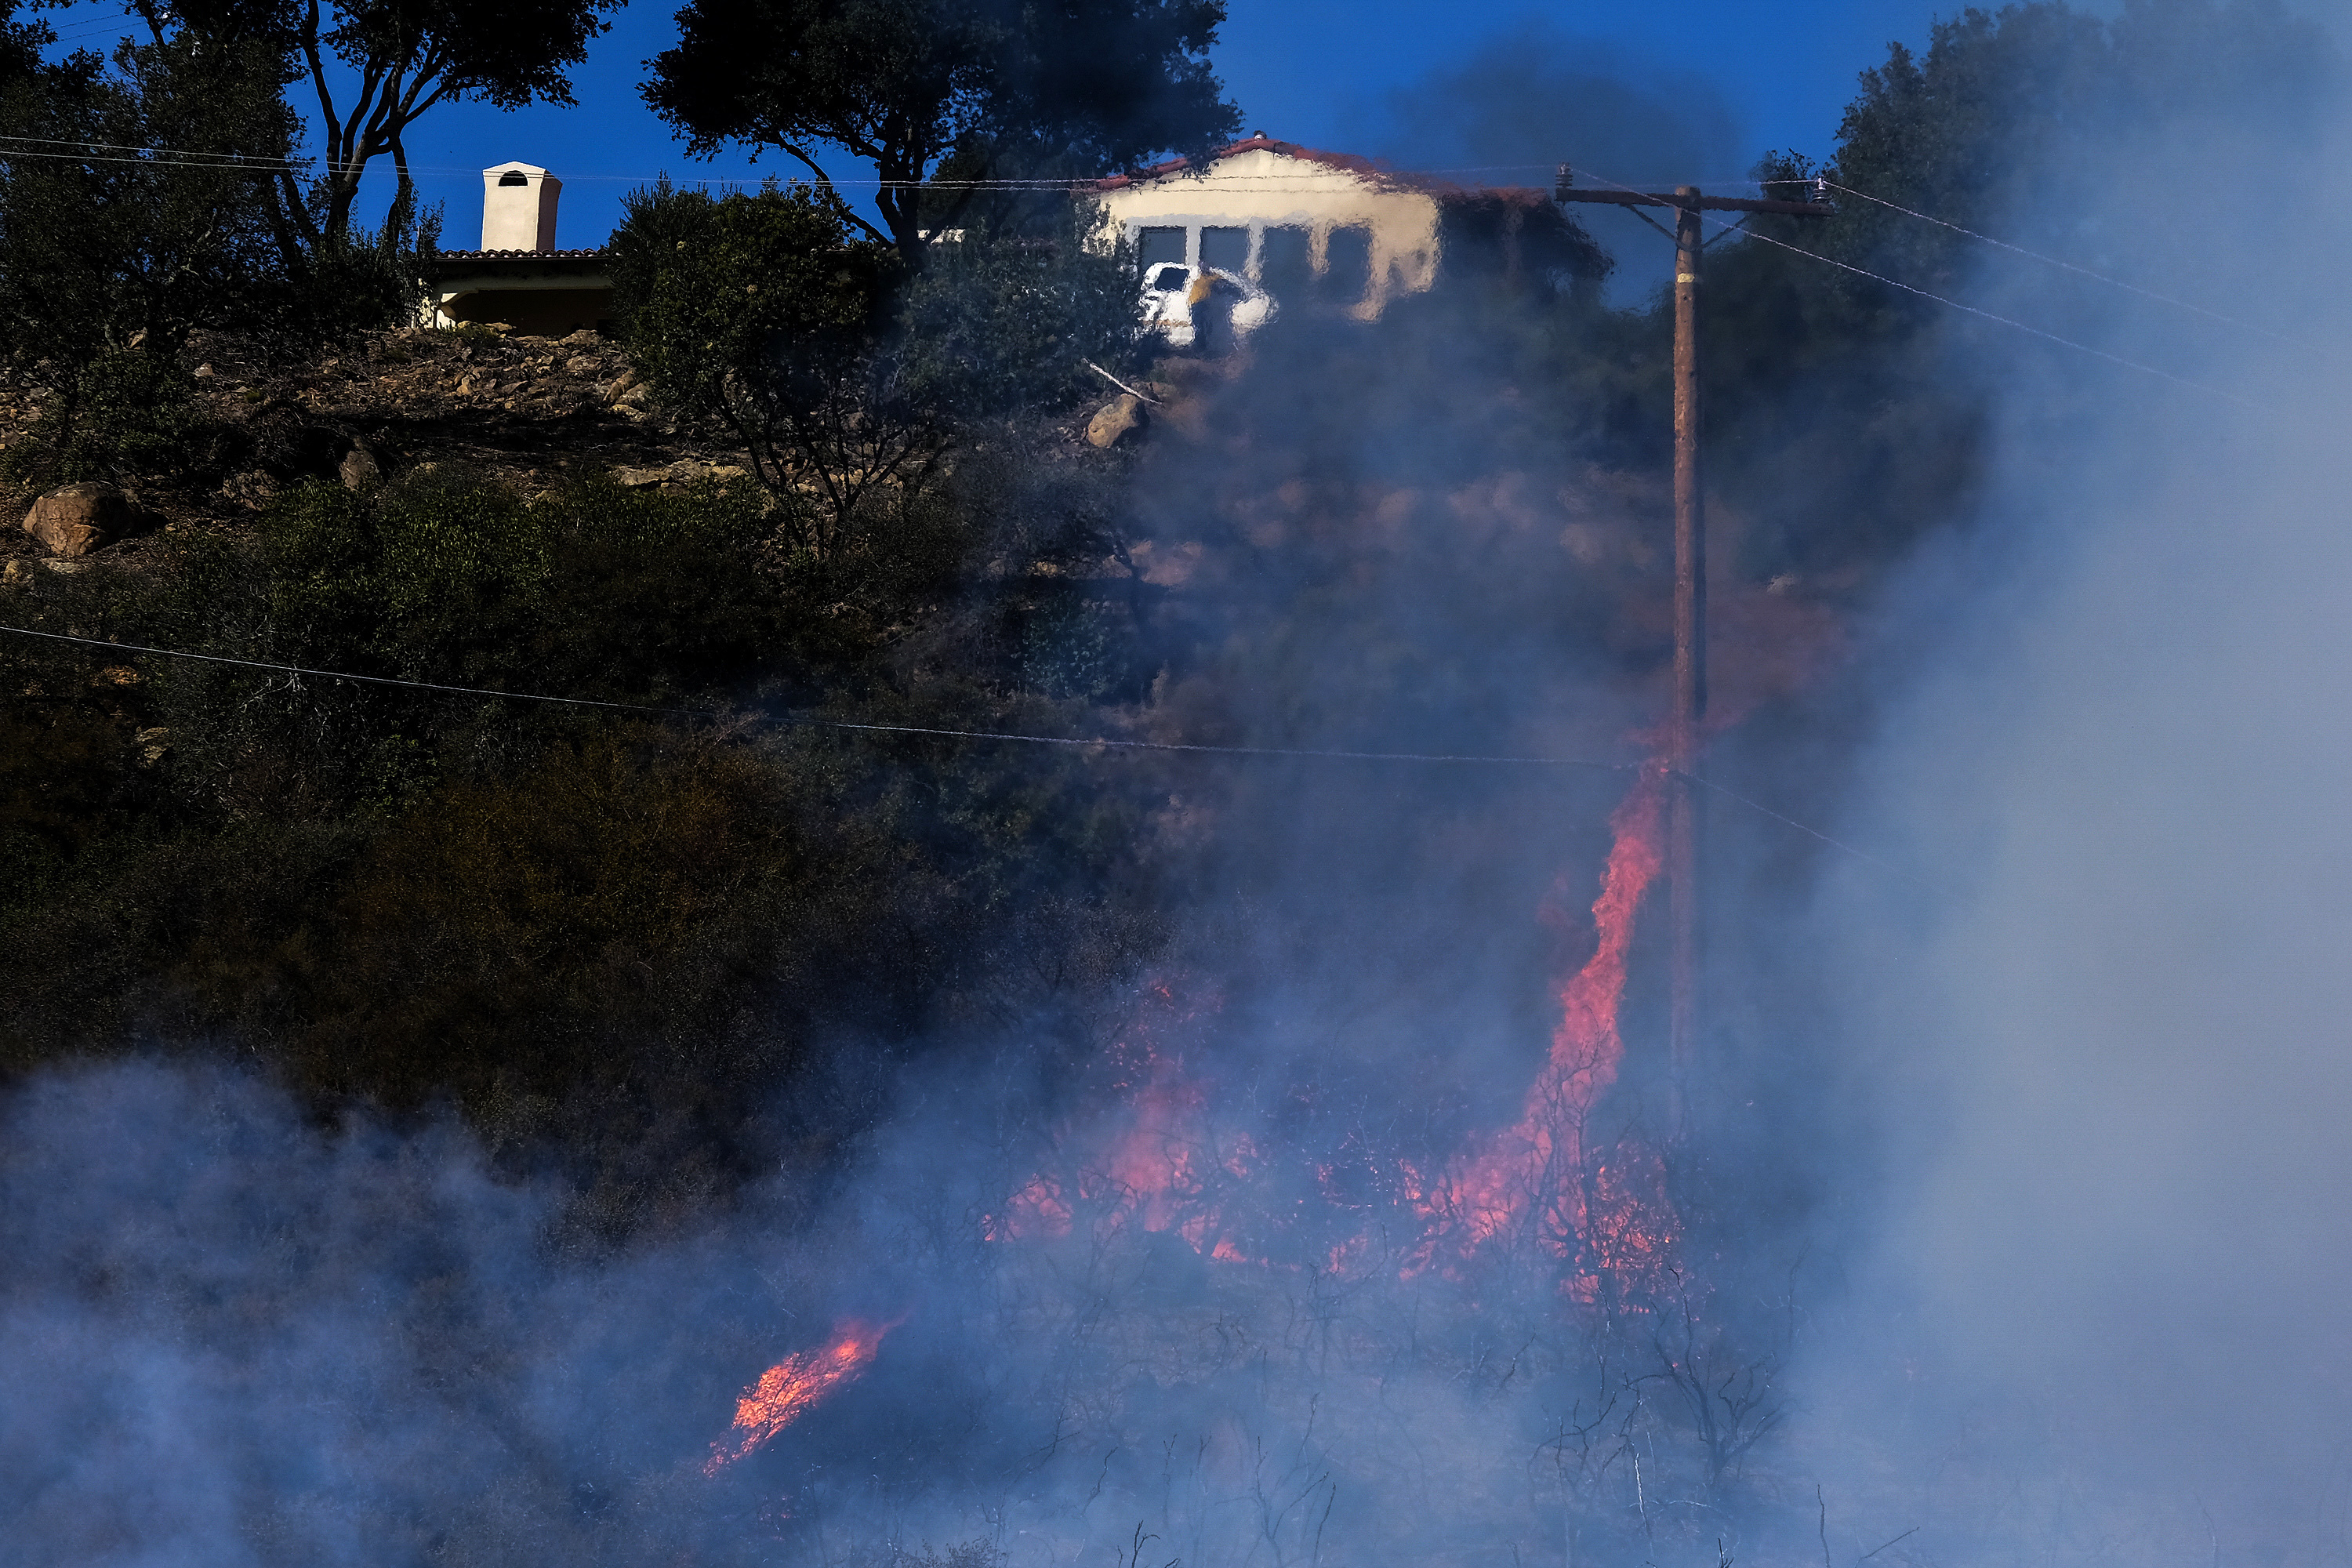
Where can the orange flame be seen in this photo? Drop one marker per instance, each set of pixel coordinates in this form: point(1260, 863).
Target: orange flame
point(789, 1388)
point(1601, 1208)
point(1604, 1220)
point(1155, 1170)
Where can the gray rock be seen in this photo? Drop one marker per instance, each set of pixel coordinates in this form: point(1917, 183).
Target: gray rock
point(75, 519)
point(358, 468)
point(252, 488)
point(1120, 420)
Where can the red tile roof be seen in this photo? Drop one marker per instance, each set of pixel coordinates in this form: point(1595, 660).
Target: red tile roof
point(597, 254)
point(1371, 169)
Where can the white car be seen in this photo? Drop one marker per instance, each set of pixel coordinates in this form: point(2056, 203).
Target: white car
point(1206, 307)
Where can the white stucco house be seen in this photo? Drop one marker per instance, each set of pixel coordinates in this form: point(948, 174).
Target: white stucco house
point(518, 276)
point(1224, 247)
point(1275, 225)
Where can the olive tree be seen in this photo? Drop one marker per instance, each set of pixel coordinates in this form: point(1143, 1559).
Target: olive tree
point(1085, 85)
point(134, 210)
point(849, 381)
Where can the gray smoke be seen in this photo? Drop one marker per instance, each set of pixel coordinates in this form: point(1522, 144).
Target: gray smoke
point(2103, 1016)
point(1533, 97)
point(2074, 1181)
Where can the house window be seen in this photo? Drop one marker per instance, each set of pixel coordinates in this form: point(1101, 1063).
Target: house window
point(514, 177)
point(1286, 269)
point(1347, 265)
point(1154, 246)
point(1225, 249)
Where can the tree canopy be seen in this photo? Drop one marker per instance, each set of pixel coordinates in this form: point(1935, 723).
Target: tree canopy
point(845, 380)
point(1078, 84)
point(2040, 123)
point(408, 55)
point(110, 262)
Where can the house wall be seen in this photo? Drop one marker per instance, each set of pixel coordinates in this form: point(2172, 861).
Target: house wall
point(544, 295)
point(555, 311)
point(1263, 190)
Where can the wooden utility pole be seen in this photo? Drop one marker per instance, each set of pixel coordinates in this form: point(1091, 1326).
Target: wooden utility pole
point(1690, 599)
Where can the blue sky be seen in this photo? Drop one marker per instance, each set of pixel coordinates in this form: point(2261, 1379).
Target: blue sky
point(1307, 70)
point(1640, 93)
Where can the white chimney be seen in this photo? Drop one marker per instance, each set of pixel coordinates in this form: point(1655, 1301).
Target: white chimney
point(519, 208)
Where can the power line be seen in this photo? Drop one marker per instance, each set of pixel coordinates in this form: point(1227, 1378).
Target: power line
point(89, 25)
point(806, 723)
point(863, 727)
point(119, 153)
point(1940, 299)
point(151, 152)
point(2055, 261)
point(1729, 794)
point(2003, 321)
point(1278, 182)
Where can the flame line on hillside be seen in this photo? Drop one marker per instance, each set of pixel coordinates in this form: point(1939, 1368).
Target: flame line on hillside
point(794, 1385)
point(1543, 1170)
point(1597, 1203)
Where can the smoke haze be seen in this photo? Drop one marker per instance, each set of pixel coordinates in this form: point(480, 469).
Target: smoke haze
point(1533, 97)
point(2102, 1019)
point(2028, 1236)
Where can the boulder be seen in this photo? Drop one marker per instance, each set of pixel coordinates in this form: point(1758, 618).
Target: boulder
point(74, 519)
point(1119, 420)
point(358, 468)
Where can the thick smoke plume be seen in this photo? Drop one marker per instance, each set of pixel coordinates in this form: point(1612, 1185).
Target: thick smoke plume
point(2097, 1001)
point(1535, 96)
point(2013, 1230)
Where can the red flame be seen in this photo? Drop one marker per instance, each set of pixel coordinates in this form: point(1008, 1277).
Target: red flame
point(1597, 1204)
point(1158, 1160)
point(787, 1390)
point(1605, 1218)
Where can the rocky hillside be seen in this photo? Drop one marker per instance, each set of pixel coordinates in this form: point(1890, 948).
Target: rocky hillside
point(527, 411)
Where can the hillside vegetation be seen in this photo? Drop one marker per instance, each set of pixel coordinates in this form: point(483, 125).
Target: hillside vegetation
point(679, 926)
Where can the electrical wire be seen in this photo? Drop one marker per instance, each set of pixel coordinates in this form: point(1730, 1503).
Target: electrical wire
point(1275, 183)
point(803, 721)
point(1940, 299)
point(222, 165)
point(1758, 806)
point(2055, 261)
point(91, 26)
point(2003, 321)
point(158, 152)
